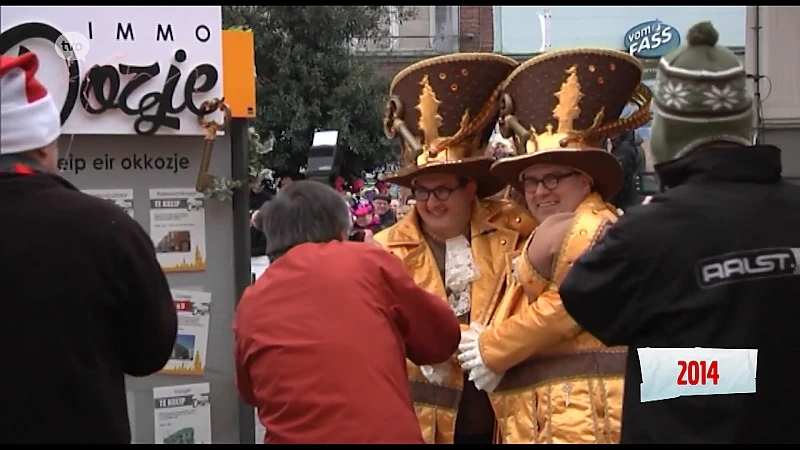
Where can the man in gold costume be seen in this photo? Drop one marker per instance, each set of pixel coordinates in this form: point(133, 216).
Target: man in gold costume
point(550, 381)
point(454, 240)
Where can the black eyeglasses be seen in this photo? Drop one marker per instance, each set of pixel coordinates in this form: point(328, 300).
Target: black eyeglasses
point(549, 181)
point(441, 193)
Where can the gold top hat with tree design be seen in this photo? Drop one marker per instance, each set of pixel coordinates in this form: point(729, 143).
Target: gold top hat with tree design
point(561, 106)
point(444, 110)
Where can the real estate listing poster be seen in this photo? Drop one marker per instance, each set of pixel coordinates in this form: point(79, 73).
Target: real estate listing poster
point(178, 229)
point(182, 414)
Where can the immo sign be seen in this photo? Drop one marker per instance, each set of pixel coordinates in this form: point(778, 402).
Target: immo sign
point(652, 39)
point(148, 71)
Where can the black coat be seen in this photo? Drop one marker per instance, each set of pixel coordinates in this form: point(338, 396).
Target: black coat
point(84, 302)
point(652, 282)
point(258, 242)
point(631, 158)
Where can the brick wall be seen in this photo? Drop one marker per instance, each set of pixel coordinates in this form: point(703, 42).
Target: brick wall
point(476, 27)
point(476, 30)
point(390, 66)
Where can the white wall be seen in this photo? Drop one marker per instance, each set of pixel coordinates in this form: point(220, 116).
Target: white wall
point(778, 62)
point(518, 30)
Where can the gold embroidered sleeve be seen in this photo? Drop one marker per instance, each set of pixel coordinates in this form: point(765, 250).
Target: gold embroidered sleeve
point(539, 325)
point(541, 320)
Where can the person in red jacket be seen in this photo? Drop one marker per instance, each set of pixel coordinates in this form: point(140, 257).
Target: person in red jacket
point(321, 340)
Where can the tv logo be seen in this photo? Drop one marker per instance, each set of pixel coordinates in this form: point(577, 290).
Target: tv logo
point(72, 46)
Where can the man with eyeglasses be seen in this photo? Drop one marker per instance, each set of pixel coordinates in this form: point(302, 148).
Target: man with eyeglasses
point(453, 241)
point(549, 380)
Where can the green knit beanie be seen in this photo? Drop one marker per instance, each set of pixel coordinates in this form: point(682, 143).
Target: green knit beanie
point(700, 96)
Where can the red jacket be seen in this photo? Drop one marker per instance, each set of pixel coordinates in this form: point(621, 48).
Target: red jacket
point(321, 341)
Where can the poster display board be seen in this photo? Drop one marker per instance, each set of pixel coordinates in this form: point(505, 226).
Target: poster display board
point(214, 285)
point(136, 141)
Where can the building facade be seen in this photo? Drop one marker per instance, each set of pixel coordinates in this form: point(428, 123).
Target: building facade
point(761, 36)
point(772, 41)
point(433, 31)
point(526, 30)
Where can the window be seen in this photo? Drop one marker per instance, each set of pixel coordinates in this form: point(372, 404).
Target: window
point(394, 27)
point(381, 45)
point(434, 29)
point(444, 28)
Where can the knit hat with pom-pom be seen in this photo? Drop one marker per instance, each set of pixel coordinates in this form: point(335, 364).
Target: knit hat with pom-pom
point(700, 97)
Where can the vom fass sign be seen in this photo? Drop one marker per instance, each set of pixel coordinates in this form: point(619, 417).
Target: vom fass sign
point(652, 39)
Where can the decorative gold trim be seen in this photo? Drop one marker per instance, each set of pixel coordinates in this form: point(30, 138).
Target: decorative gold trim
point(606, 408)
point(549, 414)
point(436, 148)
point(593, 406)
point(524, 138)
point(571, 52)
point(453, 57)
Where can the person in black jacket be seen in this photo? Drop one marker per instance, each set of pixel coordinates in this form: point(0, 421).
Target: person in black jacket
point(631, 157)
point(258, 242)
point(84, 300)
point(260, 194)
point(712, 262)
point(381, 202)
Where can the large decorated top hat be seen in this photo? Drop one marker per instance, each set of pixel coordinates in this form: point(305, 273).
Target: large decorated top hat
point(444, 110)
point(562, 105)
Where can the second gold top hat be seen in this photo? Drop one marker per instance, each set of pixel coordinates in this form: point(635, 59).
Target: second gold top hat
point(444, 110)
point(562, 105)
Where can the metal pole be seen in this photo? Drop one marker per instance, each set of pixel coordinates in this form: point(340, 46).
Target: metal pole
point(240, 170)
point(757, 78)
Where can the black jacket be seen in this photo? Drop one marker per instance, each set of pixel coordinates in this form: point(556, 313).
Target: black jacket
point(387, 220)
point(83, 301)
point(258, 242)
point(631, 158)
point(651, 282)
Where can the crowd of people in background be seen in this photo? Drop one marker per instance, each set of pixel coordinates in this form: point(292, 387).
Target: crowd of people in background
point(373, 207)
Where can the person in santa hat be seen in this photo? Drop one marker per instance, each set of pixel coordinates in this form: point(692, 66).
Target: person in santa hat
point(84, 299)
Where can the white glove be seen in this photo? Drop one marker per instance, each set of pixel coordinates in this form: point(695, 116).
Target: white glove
point(436, 373)
point(485, 379)
point(472, 362)
point(471, 334)
point(469, 354)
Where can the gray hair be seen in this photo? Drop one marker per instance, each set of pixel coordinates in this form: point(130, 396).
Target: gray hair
point(303, 211)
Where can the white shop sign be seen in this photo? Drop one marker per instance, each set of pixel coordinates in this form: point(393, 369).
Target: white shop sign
point(147, 69)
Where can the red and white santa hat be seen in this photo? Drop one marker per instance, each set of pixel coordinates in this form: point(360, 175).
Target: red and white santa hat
point(29, 119)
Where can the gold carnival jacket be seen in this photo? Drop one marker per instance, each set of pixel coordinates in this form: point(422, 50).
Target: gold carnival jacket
point(497, 227)
point(561, 385)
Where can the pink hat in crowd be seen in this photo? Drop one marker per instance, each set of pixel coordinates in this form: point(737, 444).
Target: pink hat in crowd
point(362, 209)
